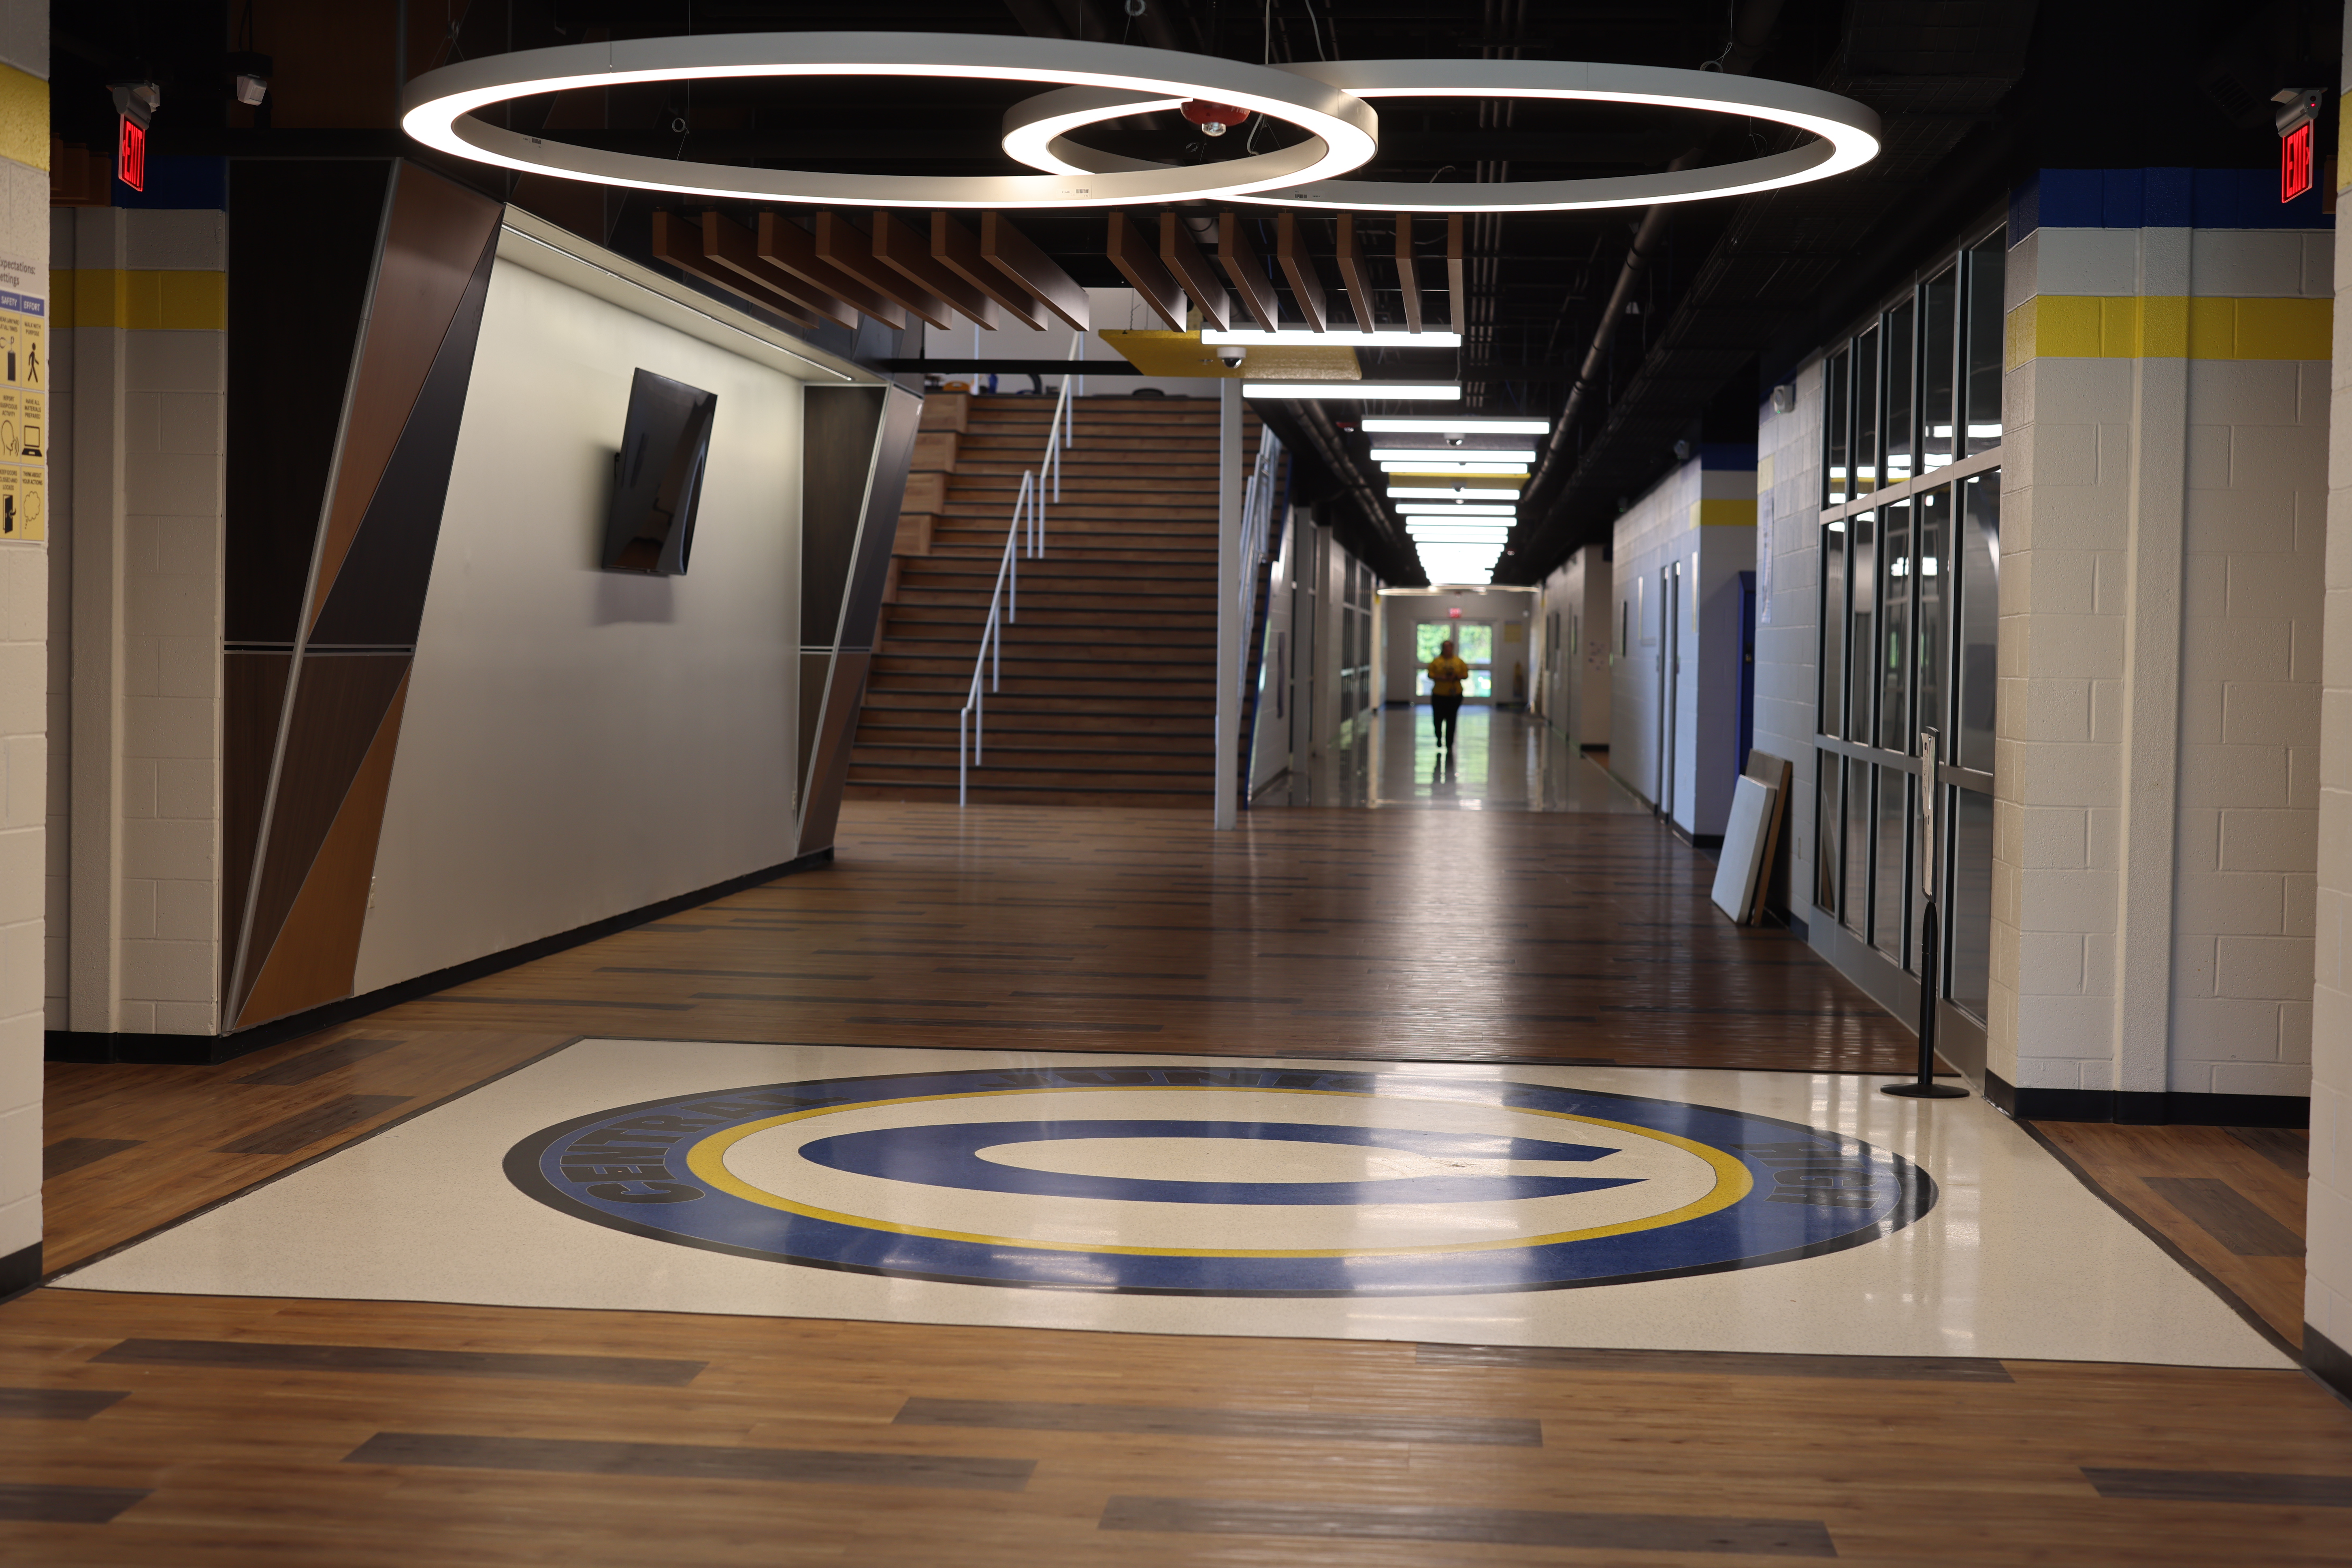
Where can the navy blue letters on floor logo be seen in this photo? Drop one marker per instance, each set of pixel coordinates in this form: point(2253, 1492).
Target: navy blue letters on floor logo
point(1745, 1190)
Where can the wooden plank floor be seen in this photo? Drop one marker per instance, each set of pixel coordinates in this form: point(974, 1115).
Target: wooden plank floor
point(261, 1432)
point(1420, 936)
point(2232, 1199)
point(174, 1430)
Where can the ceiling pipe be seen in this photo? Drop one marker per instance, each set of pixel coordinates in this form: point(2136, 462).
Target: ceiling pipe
point(1751, 29)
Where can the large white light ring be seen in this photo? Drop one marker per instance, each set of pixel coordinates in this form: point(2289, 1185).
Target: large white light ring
point(1847, 132)
point(437, 109)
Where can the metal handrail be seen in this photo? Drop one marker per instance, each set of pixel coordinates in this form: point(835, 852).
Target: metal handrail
point(1005, 602)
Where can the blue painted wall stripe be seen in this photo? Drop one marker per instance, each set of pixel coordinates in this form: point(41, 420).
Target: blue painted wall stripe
point(2158, 198)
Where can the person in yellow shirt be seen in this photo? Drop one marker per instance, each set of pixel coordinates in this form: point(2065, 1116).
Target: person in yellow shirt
point(1446, 674)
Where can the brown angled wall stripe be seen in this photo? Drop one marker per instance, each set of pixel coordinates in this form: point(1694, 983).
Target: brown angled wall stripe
point(433, 239)
point(377, 600)
point(253, 703)
point(317, 947)
point(338, 708)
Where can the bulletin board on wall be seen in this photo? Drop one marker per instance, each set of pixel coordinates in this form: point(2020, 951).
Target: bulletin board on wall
point(24, 416)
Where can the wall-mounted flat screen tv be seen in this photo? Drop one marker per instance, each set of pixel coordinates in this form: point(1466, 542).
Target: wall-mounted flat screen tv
point(657, 476)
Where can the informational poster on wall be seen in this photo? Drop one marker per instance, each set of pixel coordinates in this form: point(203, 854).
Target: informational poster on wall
point(24, 416)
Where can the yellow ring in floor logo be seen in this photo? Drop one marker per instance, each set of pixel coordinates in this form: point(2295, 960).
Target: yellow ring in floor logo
point(1140, 1178)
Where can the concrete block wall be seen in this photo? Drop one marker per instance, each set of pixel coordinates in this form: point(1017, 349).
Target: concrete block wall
point(2327, 1256)
point(2163, 493)
point(135, 690)
point(1788, 615)
point(24, 615)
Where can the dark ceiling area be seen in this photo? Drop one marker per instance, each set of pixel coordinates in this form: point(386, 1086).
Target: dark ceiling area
point(1723, 298)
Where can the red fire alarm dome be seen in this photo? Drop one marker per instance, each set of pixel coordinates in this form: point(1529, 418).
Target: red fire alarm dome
point(1214, 118)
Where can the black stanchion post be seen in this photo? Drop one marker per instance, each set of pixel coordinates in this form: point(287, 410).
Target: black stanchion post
point(1931, 944)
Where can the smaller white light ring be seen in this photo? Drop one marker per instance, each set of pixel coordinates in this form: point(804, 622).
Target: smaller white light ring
point(438, 109)
point(1847, 133)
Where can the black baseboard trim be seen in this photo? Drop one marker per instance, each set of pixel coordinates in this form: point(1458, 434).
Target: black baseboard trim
point(2153, 1109)
point(20, 1271)
point(1803, 932)
point(2328, 1362)
point(211, 1050)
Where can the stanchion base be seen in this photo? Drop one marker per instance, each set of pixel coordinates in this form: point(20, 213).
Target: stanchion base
point(1925, 1091)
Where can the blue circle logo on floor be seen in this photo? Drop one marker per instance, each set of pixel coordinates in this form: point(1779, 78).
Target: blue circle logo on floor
point(1203, 1180)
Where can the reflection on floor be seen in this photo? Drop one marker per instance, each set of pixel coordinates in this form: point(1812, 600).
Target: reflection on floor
point(1768, 1213)
point(1501, 761)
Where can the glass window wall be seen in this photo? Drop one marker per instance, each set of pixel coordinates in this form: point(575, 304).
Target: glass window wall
point(1910, 616)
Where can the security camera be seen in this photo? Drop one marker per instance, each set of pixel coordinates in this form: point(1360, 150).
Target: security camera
point(1232, 353)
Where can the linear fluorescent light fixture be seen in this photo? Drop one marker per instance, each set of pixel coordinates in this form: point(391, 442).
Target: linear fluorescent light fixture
point(1490, 541)
point(1430, 508)
point(1454, 454)
point(1432, 492)
point(1300, 338)
point(1357, 391)
point(1402, 425)
point(1412, 466)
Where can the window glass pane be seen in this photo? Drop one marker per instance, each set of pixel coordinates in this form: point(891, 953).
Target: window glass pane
point(1892, 654)
point(1476, 643)
point(1938, 327)
point(1902, 444)
point(1427, 637)
point(1836, 408)
point(1979, 524)
point(1930, 522)
point(1861, 641)
point(1986, 327)
point(1865, 413)
point(1832, 624)
point(1827, 771)
point(1968, 903)
point(1855, 904)
point(1892, 903)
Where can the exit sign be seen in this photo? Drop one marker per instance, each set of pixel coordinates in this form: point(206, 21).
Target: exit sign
point(2294, 162)
point(131, 154)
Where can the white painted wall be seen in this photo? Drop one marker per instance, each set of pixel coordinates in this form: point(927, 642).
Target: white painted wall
point(1576, 668)
point(1787, 616)
point(1666, 525)
point(1270, 740)
point(577, 742)
point(1404, 608)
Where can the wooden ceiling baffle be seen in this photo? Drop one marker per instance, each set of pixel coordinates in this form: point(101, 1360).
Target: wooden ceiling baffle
point(1240, 260)
point(908, 251)
point(1306, 283)
point(729, 244)
point(1131, 254)
point(1016, 256)
point(1407, 278)
point(679, 241)
point(1183, 259)
point(956, 248)
point(842, 243)
point(1456, 286)
point(1356, 273)
point(784, 243)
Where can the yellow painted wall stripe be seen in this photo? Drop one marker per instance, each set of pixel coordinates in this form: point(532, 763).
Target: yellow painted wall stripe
point(23, 118)
point(2167, 326)
point(1724, 512)
point(150, 299)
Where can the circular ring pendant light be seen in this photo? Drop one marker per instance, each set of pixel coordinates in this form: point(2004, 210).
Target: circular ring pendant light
point(440, 109)
point(1038, 133)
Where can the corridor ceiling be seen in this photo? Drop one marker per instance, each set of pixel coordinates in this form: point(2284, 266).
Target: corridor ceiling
point(1970, 92)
